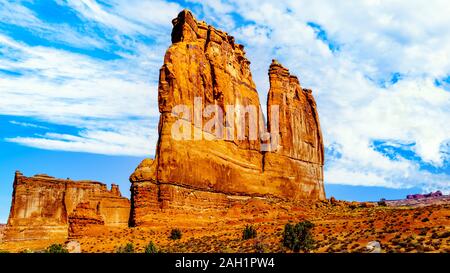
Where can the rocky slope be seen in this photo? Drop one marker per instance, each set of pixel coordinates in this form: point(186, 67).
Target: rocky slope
point(220, 158)
point(46, 208)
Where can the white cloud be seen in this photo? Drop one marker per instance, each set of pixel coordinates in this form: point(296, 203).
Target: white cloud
point(138, 11)
point(130, 17)
point(98, 96)
point(64, 84)
point(91, 10)
point(128, 140)
point(216, 12)
point(16, 14)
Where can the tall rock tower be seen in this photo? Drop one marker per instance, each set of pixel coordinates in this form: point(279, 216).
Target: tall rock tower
point(223, 149)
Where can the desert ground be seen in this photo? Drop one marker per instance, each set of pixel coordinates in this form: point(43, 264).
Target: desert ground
point(338, 227)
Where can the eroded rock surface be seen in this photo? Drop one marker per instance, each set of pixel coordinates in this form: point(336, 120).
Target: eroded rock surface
point(2, 228)
point(215, 168)
point(47, 208)
point(427, 195)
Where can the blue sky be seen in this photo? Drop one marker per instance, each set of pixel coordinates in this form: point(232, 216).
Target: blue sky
point(78, 85)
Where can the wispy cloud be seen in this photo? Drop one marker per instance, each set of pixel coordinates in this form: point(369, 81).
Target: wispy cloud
point(56, 84)
point(130, 17)
point(14, 13)
point(113, 103)
point(127, 139)
point(26, 124)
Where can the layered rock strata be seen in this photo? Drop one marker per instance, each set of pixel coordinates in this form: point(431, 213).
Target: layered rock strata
point(47, 208)
point(208, 158)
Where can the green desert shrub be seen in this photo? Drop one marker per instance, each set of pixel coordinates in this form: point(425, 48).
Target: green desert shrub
point(249, 232)
point(298, 237)
point(128, 248)
point(56, 248)
point(382, 202)
point(151, 248)
point(260, 247)
point(175, 234)
point(446, 234)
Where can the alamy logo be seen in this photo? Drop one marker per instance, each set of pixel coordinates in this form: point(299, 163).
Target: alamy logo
point(235, 122)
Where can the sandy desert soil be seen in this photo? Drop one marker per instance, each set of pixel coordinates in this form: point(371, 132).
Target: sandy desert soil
point(339, 227)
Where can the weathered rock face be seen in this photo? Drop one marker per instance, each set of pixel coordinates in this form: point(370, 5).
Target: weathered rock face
point(2, 229)
point(44, 207)
point(85, 218)
point(211, 162)
point(297, 160)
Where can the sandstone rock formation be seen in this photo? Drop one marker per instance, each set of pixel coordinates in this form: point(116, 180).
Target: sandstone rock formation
point(420, 202)
point(213, 164)
point(427, 195)
point(2, 228)
point(44, 207)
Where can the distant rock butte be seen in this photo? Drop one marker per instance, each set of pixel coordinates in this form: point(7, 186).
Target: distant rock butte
point(2, 228)
point(427, 195)
point(421, 200)
point(191, 175)
point(47, 208)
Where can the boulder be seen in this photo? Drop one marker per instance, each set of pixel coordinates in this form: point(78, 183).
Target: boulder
point(73, 247)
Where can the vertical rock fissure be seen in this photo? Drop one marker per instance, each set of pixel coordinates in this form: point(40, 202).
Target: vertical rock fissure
point(65, 214)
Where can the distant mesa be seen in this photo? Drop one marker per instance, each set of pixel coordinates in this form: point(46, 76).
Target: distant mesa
point(421, 200)
point(47, 208)
point(427, 195)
